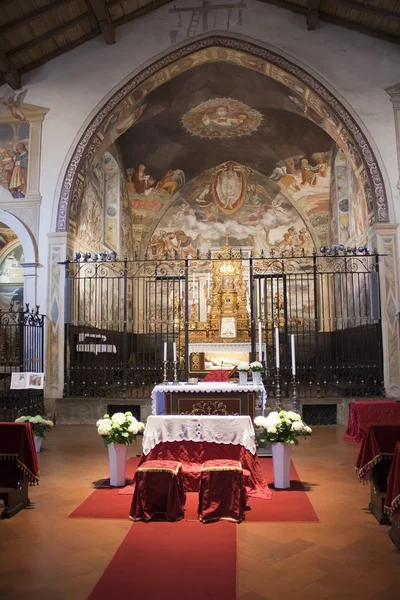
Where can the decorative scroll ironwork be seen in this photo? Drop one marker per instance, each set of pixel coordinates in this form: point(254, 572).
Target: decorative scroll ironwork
point(122, 316)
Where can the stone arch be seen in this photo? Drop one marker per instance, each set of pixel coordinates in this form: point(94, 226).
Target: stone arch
point(25, 237)
point(314, 99)
point(30, 255)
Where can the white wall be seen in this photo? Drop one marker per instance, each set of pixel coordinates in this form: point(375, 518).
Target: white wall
point(357, 68)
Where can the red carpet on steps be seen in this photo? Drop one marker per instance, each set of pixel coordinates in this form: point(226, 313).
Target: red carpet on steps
point(286, 505)
point(183, 560)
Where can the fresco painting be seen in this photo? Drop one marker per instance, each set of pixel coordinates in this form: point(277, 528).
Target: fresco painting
point(14, 156)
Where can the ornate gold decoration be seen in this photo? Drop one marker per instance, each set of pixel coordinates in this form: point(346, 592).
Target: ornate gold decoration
point(209, 407)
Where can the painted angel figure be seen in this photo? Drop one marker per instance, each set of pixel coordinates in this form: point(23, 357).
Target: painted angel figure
point(13, 102)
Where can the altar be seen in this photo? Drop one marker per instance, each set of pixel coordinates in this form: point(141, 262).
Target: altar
point(208, 398)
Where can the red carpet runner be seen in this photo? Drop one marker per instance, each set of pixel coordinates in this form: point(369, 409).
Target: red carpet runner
point(286, 505)
point(184, 561)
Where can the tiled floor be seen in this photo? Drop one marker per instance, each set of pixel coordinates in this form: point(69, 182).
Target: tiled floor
point(46, 556)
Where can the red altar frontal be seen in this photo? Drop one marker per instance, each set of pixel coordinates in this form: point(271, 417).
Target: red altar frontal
point(193, 440)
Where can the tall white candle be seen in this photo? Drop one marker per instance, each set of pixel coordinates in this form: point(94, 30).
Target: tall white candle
point(258, 300)
point(193, 289)
point(293, 354)
point(174, 350)
point(259, 341)
point(277, 361)
point(165, 350)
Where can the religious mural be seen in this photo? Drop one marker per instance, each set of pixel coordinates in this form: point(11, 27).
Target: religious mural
point(14, 139)
point(11, 271)
point(221, 117)
point(260, 216)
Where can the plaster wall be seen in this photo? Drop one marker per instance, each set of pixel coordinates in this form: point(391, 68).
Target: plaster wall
point(355, 67)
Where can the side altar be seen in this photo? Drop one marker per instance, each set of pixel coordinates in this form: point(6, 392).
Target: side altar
point(208, 398)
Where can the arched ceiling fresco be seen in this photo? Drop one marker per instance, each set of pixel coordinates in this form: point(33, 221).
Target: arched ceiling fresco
point(207, 105)
point(259, 124)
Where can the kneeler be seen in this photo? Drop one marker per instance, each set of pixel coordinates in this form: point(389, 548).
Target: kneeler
point(222, 493)
point(158, 491)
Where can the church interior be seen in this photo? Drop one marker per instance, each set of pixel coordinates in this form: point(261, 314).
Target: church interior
point(199, 299)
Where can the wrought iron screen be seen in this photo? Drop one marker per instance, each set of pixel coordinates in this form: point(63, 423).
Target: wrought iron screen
point(121, 314)
point(21, 349)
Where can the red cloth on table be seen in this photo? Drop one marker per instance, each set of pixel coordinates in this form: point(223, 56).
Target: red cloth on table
point(222, 494)
point(159, 491)
point(367, 412)
point(379, 443)
point(16, 442)
point(192, 455)
point(392, 499)
point(217, 375)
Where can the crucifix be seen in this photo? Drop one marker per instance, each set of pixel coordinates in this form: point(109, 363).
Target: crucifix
point(203, 12)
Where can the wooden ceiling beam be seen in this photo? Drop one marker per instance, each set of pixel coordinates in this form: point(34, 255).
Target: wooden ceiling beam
point(334, 20)
point(103, 18)
point(63, 50)
point(312, 14)
point(377, 11)
point(40, 12)
point(49, 34)
point(9, 74)
point(140, 12)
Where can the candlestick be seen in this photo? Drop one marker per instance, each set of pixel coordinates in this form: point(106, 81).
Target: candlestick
point(277, 361)
point(295, 403)
point(278, 389)
point(176, 371)
point(174, 351)
point(165, 379)
point(293, 355)
point(165, 351)
point(259, 341)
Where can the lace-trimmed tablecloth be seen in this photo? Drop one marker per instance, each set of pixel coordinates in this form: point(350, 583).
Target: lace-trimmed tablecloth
point(236, 430)
point(158, 393)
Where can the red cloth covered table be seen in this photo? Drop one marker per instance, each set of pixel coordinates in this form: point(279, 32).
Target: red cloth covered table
point(17, 443)
point(192, 455)
point(392, 499)
point(379, 443)
point(158, 491)
point(222, 494)
point(366, 412)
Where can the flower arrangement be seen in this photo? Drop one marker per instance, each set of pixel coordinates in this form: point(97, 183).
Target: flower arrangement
point(121, 428)
point(284, 427)
point(256, 367)
point(243, 367)
point(39, 424)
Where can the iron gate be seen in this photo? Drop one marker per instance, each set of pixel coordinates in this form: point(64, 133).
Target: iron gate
point(21, 350)
point(122, 315)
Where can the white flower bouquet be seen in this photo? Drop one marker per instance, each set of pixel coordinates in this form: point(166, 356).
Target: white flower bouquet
point(243, 367)
point(121, 428)
point(284, 426)
point(256, 367)
point(39, 424)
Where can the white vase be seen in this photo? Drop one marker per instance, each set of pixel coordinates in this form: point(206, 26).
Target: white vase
point(281, 457)
point(117, 458)
point(243, 377)
point(38, 442)
point(256, 375)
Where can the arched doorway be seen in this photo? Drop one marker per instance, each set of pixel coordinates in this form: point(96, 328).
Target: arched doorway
point(204, 138)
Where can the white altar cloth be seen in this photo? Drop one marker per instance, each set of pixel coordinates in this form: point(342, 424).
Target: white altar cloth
point(208, 387)
point(236, 430)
